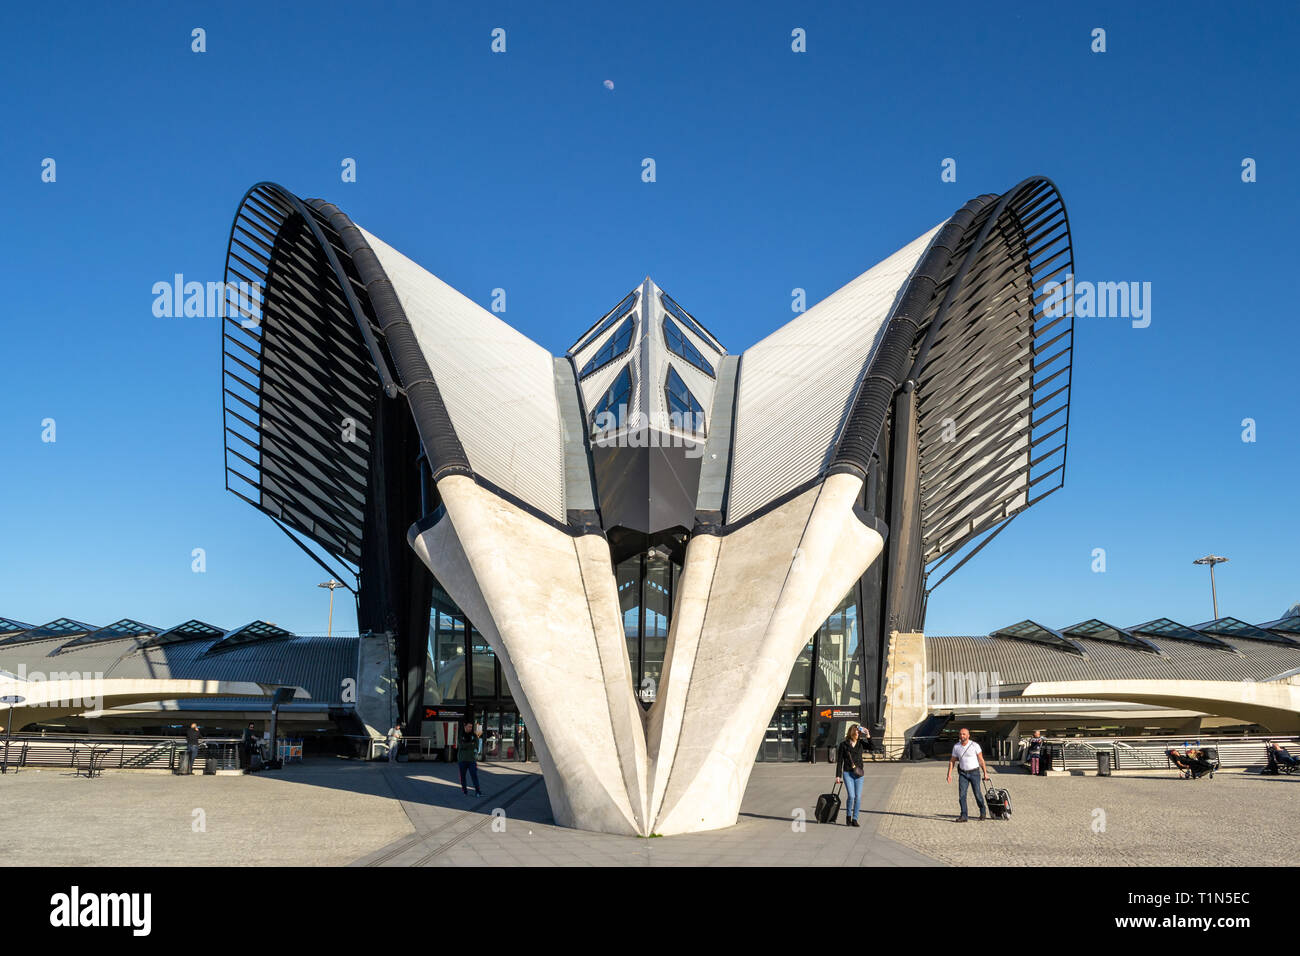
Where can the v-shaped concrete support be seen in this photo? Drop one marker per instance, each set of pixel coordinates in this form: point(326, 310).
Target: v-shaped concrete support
point(547, 603)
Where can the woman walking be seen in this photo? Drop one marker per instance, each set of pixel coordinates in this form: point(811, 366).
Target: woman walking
point(848, 763)
point(467, 756)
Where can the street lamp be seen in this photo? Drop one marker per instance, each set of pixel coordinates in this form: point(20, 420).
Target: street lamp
point(332, 584)
point(1212, 560)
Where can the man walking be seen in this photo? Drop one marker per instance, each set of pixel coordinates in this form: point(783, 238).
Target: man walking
point(969, 760)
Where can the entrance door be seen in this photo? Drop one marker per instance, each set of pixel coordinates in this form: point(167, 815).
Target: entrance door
point(786, 737)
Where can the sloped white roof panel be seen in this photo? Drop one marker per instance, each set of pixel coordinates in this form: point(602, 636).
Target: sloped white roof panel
point(497, 384)
point(796, 385)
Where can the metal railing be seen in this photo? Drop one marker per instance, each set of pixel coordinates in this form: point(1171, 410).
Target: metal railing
point(1150, 753)
point(429, 748)
point(95, 752)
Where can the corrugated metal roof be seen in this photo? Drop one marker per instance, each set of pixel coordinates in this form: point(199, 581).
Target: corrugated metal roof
point(497, 384)
point(796, 385)
point(319, 665)
point(1017, 662)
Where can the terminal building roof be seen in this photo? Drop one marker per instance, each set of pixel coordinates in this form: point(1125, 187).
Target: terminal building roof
point(258, 651)
point(1226, 649)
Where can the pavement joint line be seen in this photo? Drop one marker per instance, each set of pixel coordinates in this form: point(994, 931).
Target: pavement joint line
point(528, 784)
point(422, 834)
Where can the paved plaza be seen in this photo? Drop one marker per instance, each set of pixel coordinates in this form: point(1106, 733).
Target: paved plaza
point(1139, 818)
point(338, 812)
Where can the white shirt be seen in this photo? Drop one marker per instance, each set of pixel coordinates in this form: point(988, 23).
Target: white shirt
point(967, 756)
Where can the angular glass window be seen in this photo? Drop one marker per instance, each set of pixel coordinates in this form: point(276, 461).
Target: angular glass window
point(618, 343)
point(610, 412)
point(687, 320)
point(680, 345)
point(610, 318)
point(683, 410)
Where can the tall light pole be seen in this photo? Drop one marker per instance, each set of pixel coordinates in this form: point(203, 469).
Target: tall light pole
point(1212, 560)
point(332, 584)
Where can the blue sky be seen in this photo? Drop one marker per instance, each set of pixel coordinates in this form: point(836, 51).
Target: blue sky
point(775, 170)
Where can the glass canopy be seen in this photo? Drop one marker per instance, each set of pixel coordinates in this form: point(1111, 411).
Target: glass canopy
point(1096, 630)
point(63, 627)
point(1234, 627)
point(1283, 625)
point(191, 630)
point(1035, 633)
point(112, 632)
point(1173, 631)
point(256, 631)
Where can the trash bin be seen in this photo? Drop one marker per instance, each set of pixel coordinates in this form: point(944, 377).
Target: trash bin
point(1103, 763)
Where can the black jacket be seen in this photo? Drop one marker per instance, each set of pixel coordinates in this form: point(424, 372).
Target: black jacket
point(192, 736)
point(849, 755)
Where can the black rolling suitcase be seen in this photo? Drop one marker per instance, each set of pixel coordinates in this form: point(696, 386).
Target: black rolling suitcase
point(828, 805)
point(999, 803)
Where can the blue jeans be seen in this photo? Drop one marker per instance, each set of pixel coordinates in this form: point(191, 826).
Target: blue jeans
point(970, 778)
point(852, 795)
point(192, 753)
point(472, 767)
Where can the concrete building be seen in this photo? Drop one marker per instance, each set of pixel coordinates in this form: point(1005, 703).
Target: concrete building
point(660, 557)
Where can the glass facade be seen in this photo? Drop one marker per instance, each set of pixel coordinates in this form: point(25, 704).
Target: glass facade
point(461, 671)
point(838, 676)
point(646, 586)
point(823, 692)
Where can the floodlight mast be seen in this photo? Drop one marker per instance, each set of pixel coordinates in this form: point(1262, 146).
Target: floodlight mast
point(1212, 560)
point(332, 584)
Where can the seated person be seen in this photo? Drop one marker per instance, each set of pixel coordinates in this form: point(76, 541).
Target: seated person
point(1197, 763)
point(1277, 756)
point(1179, 761)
